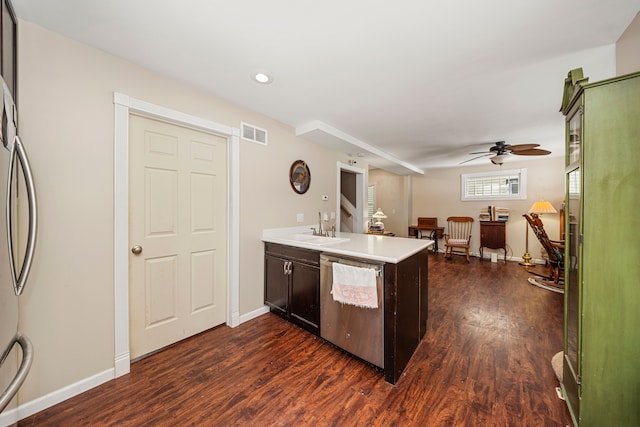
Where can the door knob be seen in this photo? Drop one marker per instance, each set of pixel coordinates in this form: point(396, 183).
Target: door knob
point(136, 250)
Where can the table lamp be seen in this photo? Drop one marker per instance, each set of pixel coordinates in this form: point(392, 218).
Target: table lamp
point(378, 216)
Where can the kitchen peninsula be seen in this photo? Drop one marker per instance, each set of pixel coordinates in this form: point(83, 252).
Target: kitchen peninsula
point(297, 262)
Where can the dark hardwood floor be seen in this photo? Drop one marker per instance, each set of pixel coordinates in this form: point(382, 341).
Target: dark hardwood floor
point(485, 361)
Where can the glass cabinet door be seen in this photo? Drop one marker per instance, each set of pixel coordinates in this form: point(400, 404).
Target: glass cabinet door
point(574, 137)
point(574, 241)
point(572, 282)
point(572, 369)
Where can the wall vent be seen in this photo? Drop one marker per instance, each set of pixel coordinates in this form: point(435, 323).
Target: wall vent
point(253, 133)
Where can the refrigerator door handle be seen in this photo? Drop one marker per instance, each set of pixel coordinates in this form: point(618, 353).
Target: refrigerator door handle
point(23, 370)
point(19, 154)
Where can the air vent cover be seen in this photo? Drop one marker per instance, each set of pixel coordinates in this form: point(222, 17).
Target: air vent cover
point(253, 133)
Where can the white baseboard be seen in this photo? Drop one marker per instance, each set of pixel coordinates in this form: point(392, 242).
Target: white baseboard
point(9, 417)
point(253, 314)
point(29, 408)
point(122, 364)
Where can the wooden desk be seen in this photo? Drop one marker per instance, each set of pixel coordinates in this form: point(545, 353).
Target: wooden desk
point(386, 233)
point(435, 233)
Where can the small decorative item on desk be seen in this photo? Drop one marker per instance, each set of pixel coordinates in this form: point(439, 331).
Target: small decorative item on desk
point(378, 226)
point(502, 214)
point(494, 213)
point(375, 229)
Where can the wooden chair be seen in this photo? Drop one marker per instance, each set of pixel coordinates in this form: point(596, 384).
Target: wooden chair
point(458, 235)
point(554, 249)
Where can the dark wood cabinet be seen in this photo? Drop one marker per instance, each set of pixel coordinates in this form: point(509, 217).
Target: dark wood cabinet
point(493, 236)
point(292, 290)
point(406, 303)
point(292, 284)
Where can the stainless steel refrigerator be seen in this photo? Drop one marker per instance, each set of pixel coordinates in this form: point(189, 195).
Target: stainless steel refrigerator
point(16, 254)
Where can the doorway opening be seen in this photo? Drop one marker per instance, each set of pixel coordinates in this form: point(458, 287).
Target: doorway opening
point(351, 199)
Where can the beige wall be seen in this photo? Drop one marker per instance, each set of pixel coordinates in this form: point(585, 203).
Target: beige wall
point(628, 49)
point(437, 194)
point(392, 196)
point(67, 123)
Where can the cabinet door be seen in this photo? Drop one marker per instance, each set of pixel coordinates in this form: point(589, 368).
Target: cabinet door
point(573, 282)
point(492, 235)
point(276, 283)
point(305, 296)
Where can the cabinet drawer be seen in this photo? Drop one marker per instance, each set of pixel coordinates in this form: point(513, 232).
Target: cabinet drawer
point(307, 256)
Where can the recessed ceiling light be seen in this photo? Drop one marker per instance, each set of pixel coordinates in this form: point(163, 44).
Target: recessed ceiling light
point(262, 77)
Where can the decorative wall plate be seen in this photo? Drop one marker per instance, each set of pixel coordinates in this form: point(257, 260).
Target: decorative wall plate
point(300, 176)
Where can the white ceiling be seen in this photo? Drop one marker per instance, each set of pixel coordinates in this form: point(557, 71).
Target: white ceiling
point(410, 84)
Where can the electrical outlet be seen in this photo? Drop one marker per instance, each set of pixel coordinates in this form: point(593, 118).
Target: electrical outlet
point(300, 217)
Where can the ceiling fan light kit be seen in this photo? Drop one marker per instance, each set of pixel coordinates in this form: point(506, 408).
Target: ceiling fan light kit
point(499, 159)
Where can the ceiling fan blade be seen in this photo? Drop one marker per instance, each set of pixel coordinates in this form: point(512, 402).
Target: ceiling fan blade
point(521, 147)
point(484, 155)
point(532, 152)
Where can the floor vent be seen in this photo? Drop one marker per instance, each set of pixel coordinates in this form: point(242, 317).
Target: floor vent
point(253, 133)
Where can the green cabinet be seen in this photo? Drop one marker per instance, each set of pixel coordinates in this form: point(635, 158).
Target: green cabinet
point(601, 371)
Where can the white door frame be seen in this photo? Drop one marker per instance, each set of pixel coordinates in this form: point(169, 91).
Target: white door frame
point(360, 195)
point(124, 105)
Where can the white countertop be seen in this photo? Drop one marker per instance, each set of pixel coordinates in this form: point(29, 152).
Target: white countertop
point(367, 246)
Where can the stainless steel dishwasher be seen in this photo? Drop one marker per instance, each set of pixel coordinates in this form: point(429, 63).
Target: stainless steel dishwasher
point(360, 331)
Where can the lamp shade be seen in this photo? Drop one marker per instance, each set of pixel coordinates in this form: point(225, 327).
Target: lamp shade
point(542, 207)
point(379, 214)
point(499, 159)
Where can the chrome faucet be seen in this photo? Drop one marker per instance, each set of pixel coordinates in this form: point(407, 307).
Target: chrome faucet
point(319, 231)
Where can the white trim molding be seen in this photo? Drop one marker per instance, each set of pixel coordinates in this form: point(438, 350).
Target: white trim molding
point(124, 106)
point(27, 409)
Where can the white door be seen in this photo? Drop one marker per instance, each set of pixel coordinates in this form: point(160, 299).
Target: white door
point(178, 224)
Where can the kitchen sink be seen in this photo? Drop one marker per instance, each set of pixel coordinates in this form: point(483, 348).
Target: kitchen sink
point(315, 240)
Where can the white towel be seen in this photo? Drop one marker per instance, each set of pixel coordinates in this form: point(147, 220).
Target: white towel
point(354, 285)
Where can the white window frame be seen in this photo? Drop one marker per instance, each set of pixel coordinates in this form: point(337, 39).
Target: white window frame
point(371, 202)
point(522, 185)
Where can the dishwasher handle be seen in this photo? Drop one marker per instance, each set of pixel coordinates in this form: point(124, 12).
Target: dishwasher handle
point(377, 266)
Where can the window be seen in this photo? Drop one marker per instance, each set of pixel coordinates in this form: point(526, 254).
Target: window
point(371, 202)
point(501, 185)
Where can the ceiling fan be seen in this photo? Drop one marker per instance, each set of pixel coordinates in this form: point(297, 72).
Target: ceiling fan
point(501, 150)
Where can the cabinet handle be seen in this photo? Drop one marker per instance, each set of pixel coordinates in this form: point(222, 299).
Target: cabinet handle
point(287, 270)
